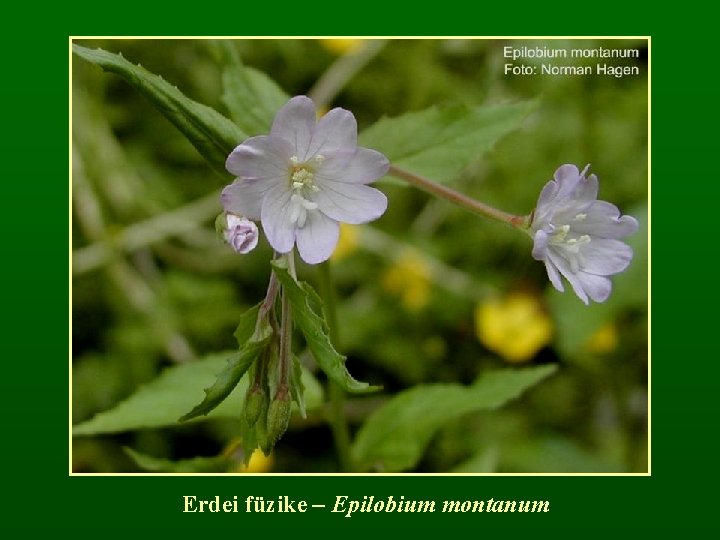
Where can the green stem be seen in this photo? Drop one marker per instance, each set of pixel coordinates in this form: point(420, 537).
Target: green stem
point(455, 197)
point(338, 422)
point(286, 326)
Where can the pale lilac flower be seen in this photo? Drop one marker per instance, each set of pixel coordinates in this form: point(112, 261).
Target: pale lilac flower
point(240, 233)
point(578, 236)
point(304, 178)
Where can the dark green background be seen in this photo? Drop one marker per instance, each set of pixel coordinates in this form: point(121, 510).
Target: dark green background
point(35, 219)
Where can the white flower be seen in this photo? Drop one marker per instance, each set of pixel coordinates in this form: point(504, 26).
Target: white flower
point(304, 178)
point(577, 236)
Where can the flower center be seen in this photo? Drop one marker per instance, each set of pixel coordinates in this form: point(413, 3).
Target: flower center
point(570, 246)
point(302, 183)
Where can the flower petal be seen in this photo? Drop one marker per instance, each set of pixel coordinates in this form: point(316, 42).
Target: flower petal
point(553, 275)
point(260, 157)
point(317, 239)
point(295, 123)
point(597, 287)
point(540, 244)
point(245, 197)
point(360, 167)
point(562, 265)
point(275, 215)
point(587, 189)
point(337, 130)
point(547, 196)
point(241, 234)
point(350, 203)
point(603, 219)
point(604, 257)
point(567, 177)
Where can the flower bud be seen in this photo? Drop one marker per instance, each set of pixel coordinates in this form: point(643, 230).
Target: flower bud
point(239, 232)
point(254, 403)
point(278, 416)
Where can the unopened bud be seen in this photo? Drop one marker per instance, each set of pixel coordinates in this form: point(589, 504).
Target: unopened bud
point(239, 232)
point(278, 416)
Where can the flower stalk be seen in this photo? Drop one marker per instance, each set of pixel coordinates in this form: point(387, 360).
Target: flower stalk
point(286, 327)
point(460, 199)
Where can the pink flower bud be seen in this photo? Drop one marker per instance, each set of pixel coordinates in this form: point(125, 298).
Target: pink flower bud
point(241, 234)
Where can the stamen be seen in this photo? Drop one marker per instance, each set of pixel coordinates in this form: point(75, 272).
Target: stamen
point(580, 217)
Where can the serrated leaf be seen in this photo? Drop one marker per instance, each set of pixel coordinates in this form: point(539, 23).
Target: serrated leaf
point(440, 142)
point(246, 325)
point(162, 401)
point(310, 318)
point(251, 97)
point(217, 464)
point(210, 132)
point(236, 367)
point(394, 437)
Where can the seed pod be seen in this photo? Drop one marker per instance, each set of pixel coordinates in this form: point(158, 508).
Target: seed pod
point(278, 416)
point(255, 401)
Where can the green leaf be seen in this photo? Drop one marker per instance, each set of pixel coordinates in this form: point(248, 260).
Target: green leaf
point(440, 142)
point(246, 325)
point(297, 389)
point(252, 98)
point(210, 132)
point(576, 322)
point(394, 437)
point(193, 465)
point(309, 315)
point(162, 401)
point(236, 367)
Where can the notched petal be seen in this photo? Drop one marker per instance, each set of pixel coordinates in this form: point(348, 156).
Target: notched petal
point(260, 158)
point(360, 166)
point(603, 256)
point(317, 239)
point(245, 197)
point(295, 123)
point(335, 131)
point(276, 222)
point(350, 203)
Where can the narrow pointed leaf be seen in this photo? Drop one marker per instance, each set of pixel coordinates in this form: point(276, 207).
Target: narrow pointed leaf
point(210, 132)
point(310, 318)
point(163, 400)
point(440, 142)
point(246, 325)
point(236, 367)
point(394, 437)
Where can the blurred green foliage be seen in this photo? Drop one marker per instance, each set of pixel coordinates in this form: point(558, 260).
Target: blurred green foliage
point(172, 300)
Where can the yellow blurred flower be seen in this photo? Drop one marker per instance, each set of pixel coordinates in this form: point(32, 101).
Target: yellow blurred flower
point(348, 242)
point(409, 278)
point(515, 326)
point(259, 463)
point(342, 46)
point(604, 340)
